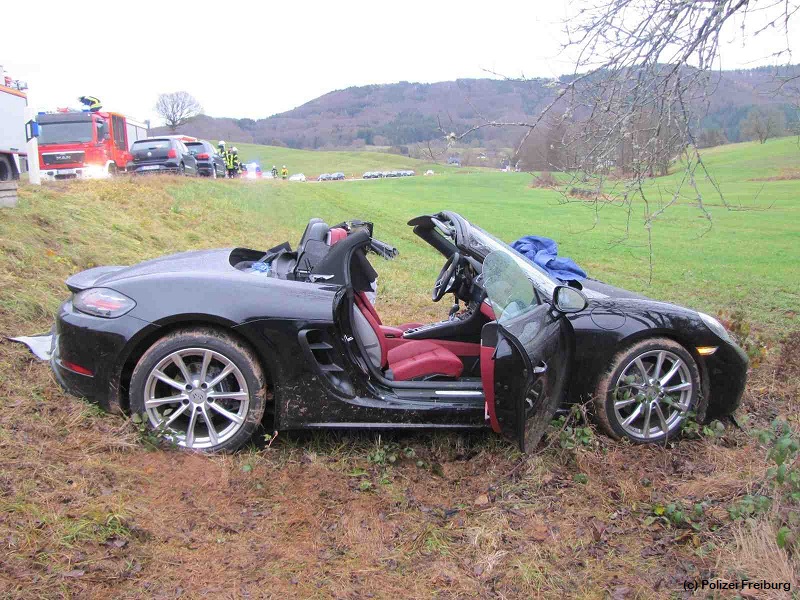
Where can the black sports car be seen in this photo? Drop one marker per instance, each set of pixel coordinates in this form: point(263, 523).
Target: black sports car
point(207, 345)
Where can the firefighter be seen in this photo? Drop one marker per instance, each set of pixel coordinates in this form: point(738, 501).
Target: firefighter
point(223, 153)
point(284, 172)
point(91, 103)
point(274, 172)
point(232, 162)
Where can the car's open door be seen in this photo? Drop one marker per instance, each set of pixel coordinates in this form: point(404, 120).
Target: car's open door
point(525, 354)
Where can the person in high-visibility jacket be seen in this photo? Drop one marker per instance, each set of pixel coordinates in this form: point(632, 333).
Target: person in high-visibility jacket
point(232, 163)
point(223, 153)
point(91, 103)
point(284, 172)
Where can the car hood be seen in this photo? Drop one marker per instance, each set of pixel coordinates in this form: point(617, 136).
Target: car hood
point(196, 261)
point(597, 289)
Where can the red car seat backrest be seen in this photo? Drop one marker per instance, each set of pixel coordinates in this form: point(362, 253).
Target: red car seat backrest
point(368, 306)
point(369, 332)
point(336, 234)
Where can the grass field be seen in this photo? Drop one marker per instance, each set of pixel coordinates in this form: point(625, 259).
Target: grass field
point(90, 508)
point(312, 164)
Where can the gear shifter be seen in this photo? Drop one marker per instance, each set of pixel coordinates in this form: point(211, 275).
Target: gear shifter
point(453, 311)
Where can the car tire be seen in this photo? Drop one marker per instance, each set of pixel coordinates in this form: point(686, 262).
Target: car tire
point(6, 170)
point(182, 170)
point(647, 391)
point(213, 172)
point(221, 410)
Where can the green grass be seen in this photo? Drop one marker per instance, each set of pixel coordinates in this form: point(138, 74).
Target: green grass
point(747, 261)
point(312, 163)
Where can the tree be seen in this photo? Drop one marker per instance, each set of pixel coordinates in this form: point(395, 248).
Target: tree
point(763, 123)
point(177, 109)
point(709, 138)
point(644, 71)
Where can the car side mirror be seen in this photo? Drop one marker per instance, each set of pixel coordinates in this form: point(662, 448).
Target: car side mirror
point(568, 300)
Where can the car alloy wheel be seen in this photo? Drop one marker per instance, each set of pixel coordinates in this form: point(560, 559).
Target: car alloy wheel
point(198, 397)
point(648, 391)
point(652, 394)
point(200, 389)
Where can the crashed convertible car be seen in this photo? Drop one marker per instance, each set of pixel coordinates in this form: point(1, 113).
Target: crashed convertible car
point(208, 345)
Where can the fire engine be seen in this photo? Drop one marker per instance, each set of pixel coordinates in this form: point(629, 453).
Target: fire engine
point(12, 127)
point(77, 144)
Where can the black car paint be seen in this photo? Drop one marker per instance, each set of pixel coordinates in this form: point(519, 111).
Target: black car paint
point(143, 164)
point(299, 331)
point(214, 162)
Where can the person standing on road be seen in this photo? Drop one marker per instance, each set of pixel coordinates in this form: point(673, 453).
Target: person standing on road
point(232, 162)
point(223, 153)
point(284, 172)
point(274, 172)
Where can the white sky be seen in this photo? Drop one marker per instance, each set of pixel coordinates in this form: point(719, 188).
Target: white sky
point(256, 58)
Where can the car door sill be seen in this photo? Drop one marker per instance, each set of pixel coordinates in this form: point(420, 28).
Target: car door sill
point(358, 425)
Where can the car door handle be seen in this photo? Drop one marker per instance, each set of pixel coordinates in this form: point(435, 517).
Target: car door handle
point(542, 368)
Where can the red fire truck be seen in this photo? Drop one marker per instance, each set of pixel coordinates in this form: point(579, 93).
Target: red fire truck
point(86, 145)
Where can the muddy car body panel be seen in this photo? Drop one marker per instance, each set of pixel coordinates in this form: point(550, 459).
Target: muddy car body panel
point(520, 344)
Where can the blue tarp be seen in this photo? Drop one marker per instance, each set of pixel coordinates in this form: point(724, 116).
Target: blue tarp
point(544, 252)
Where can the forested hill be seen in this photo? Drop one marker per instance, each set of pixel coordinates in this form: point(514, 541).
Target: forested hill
point(405, 113)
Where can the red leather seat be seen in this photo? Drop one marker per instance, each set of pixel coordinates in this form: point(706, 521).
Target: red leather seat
point(420, 358)
point(368, 306)
point(413, 359)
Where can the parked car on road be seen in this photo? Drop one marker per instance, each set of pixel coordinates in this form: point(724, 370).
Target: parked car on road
point(370, 175)
point(297, 177)
point(324, 177)
point(209, 163)
point(337, 176)
point(162, 155)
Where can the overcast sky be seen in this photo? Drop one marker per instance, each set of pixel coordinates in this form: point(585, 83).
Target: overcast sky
point(254, 59)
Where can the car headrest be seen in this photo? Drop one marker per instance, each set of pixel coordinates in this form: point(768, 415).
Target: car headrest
point(336, 234)
point(317, 229)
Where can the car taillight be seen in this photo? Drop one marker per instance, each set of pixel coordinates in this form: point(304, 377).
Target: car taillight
point(172, 153)
point(102, 302)
point(77, 368)
point(203, 156)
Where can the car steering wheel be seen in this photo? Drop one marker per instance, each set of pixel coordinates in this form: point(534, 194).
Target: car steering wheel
point(445, 278)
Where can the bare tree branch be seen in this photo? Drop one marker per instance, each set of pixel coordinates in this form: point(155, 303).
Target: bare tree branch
point(177, 108)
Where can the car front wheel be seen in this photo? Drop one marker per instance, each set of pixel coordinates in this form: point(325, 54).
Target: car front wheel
point(648, 391)
point(201, 389)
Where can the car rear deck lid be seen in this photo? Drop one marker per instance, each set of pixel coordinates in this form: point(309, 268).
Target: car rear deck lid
point(86, 279)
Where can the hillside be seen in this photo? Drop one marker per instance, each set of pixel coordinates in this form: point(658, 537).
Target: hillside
point(352, 164)
point(91, 507)
point(406, 113)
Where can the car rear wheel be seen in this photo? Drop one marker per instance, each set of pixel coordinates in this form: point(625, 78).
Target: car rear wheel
point(6, 172)
point(201, 389)
point(647, 392)
point(182, 169)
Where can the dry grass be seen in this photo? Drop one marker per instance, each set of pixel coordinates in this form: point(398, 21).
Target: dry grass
point(88, 511)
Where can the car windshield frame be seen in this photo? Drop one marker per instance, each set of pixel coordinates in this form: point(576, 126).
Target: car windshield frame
point(485, 243)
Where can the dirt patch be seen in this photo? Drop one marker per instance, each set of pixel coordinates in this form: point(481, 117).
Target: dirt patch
point(785, 175)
